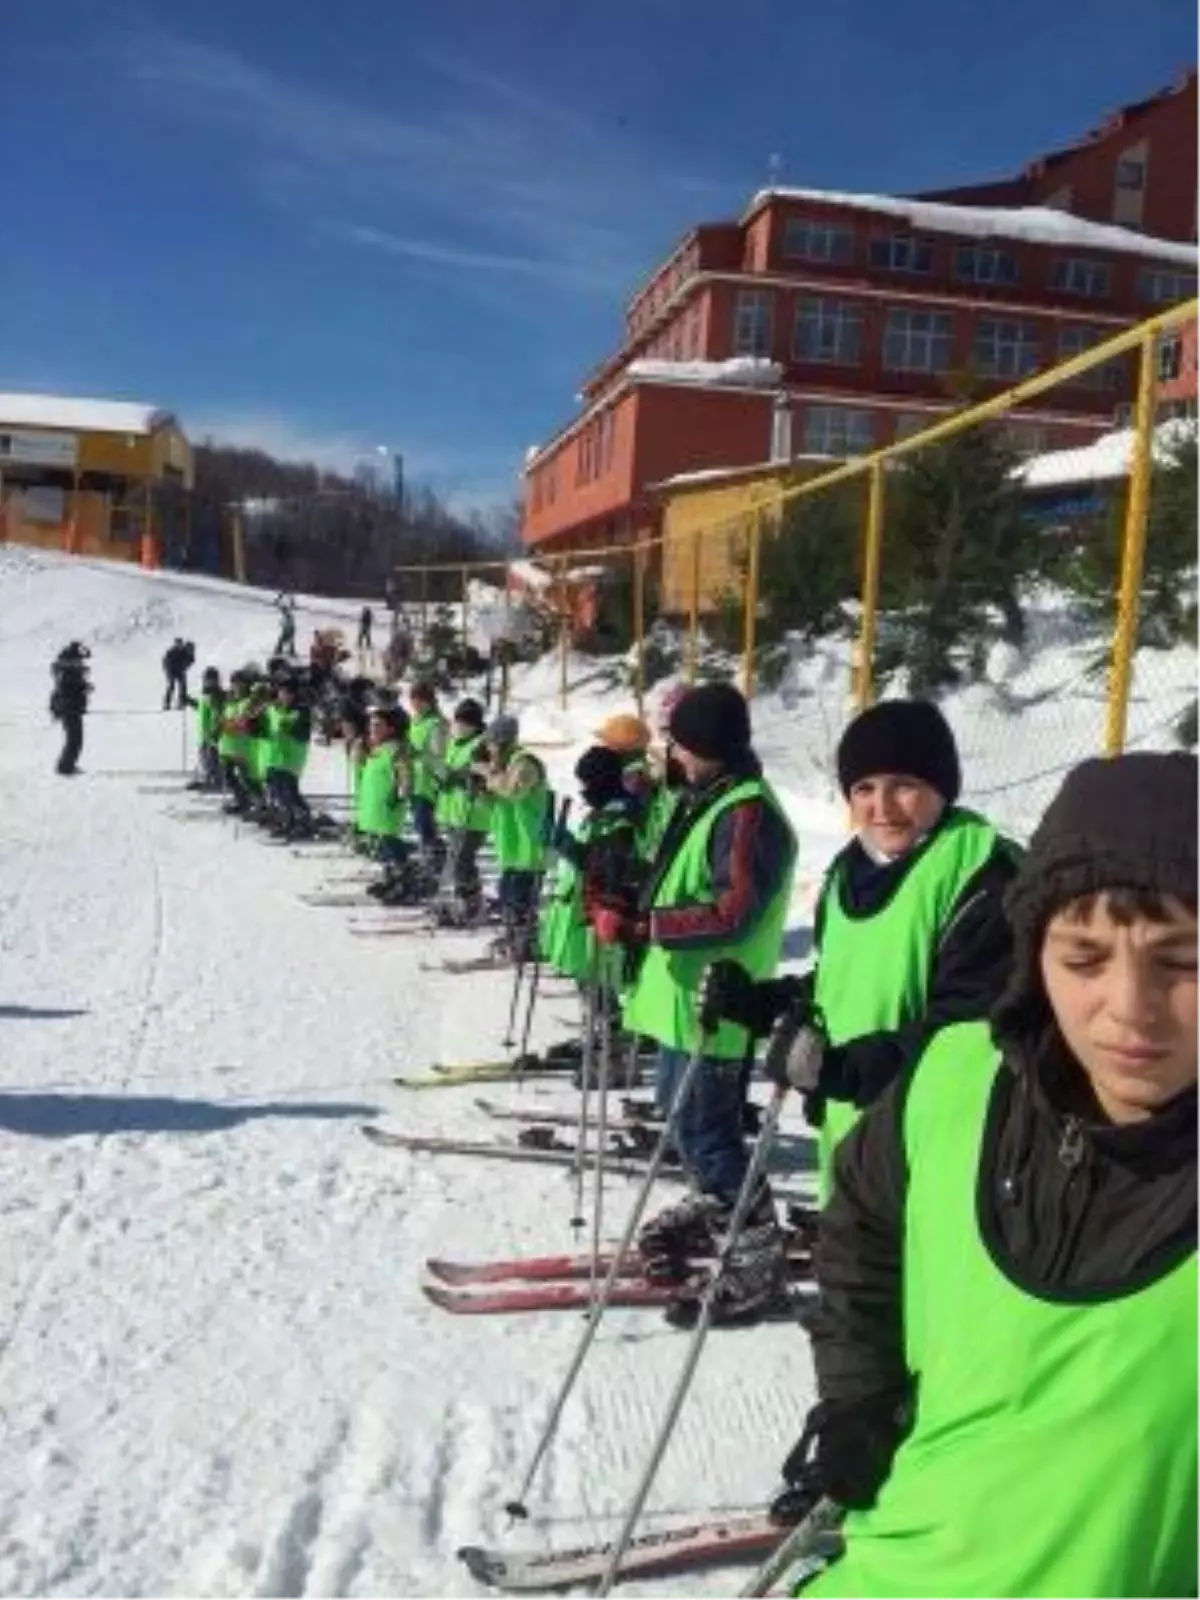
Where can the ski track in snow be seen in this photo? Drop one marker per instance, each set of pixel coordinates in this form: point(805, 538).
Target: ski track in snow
point(217, 1372)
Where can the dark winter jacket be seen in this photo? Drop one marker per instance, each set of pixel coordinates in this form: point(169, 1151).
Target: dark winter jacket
point(969, 970)
point(178, 659)
point(750, 850)
point(71, 692)
point(1066, 1203)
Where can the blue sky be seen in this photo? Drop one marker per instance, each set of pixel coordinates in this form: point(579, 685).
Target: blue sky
point(322, 227)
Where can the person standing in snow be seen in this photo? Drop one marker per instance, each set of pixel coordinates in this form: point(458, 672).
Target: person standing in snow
point(515, 780)
point(365, 622)
point(1005, 1343)
point(177, 662)
point(285, 645)
point(210, 708)
point(427, 743)
point(718, 891)
point(464, 812)
point(910, 931)
point(69, 702)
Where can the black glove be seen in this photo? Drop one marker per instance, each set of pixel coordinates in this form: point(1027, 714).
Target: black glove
point(731, 994)
point(846, 1448)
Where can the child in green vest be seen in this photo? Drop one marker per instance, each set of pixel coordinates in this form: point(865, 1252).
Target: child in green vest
point(515, 780)
point(233, 743)
point(1005, 1341)
point(718, 891)
point(427, 736)
point(288, 735)
point(384, 785)
point(209, 709)
point(463, 812)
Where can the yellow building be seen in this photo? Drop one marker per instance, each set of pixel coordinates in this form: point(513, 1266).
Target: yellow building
point(707, 519)
point(91, 477)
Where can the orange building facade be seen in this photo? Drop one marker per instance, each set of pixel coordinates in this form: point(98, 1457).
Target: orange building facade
point(823, 325)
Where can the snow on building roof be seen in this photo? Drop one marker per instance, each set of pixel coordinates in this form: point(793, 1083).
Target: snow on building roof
point(1104, 460)
point(1033, 224)
point(754, 370)
point(84, 416)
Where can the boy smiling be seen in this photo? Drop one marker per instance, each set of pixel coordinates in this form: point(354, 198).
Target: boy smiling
point(1006, 1339)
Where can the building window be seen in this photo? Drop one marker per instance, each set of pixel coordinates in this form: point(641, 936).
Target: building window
point(1131, 174)
point(817, 241)
point(752, 323)
point(1073, 341)
point(900, 253)
point(1005, 348)
point(838, 431)
point(1177, 410)
point(1162, 287)
point(917, 341)
point(1074, 275)
point(909, 423)
point(829, 331)
point(985, 263)
point(1170, 357)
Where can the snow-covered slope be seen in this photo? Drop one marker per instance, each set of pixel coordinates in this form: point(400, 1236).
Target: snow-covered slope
point(217, 1372)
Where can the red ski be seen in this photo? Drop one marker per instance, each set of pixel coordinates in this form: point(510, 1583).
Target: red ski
point(490, 1302)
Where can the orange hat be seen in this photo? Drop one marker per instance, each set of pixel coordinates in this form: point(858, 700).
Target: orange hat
point(624, 733)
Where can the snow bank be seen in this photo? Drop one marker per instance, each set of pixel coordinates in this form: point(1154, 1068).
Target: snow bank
point(754, 371)
point(91, 416)
point(1104, 460)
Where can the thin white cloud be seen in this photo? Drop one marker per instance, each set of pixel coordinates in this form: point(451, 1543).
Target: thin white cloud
point(495, 179)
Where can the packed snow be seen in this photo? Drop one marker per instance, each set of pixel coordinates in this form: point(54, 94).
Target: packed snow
point(219, 1376)
point(1105, 459)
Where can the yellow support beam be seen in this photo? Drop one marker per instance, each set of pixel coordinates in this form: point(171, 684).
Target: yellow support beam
point(872, 552)
point(639, 627)
point(750, 605)
point(1133, 553)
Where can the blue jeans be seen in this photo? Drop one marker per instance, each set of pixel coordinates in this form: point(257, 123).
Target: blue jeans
point(708, 1132)
point(424, 821)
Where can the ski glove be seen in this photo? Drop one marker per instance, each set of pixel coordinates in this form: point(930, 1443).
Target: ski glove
point(795, 1053)
point(847, 1446)
point(731, 994)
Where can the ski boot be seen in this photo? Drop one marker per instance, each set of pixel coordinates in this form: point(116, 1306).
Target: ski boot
point(755, 1273)
point(804, 1223)
point(687, 1228)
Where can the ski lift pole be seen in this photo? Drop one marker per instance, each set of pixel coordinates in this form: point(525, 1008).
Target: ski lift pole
point(517, 1507)
point(745, 1199)
point(602, 1078)
point(805, 1542)
point(587, 1068)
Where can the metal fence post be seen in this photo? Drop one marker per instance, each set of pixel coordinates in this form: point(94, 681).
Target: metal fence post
point(693, 649)
point(564, 633)
point(1133, 552)
point(750, 618)
point(639, 626)
point(466, 585)
point(872, 550)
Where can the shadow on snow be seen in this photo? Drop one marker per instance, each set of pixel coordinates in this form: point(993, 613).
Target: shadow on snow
point(69, 1116)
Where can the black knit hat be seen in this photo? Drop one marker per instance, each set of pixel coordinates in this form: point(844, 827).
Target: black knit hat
point(469, 713)
point(713, 722)
point(1129, 822)
point(600, 773)
point(909, 737)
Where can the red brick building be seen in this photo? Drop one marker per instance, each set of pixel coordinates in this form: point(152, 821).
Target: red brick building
point(825, 325)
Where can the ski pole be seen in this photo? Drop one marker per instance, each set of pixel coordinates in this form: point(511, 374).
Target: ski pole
point(518, 975)
point(534, 923)
point(805, 1541)
point(683, 1089)
point(602, 1078)
point(183, 722)
point(587, 1067)
point(745, 1198)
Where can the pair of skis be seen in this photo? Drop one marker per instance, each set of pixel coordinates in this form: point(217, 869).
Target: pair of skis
point(432, 1144)
point(567, 1282)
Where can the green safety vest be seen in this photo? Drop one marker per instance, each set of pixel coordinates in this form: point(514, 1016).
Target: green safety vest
point(457, 807)
point(285, 753)
point(260, 746)
point(208, 719)
point(664, 999)
point(420, 732)
point(519, 822)
point(567, 941)
point(231, 745)
point(1054, 1446)
point(873, 972)
point(379, 810)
